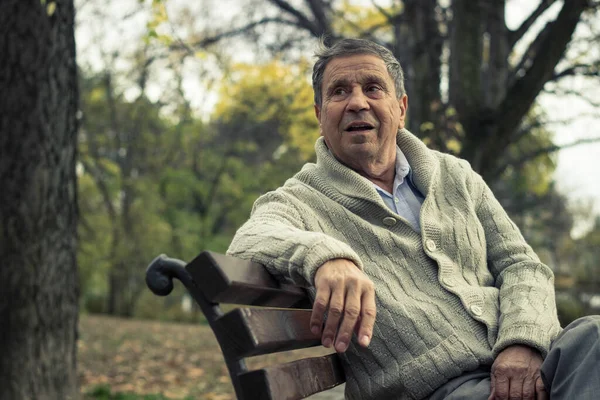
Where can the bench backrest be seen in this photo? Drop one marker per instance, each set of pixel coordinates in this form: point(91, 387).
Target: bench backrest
point(213, 278)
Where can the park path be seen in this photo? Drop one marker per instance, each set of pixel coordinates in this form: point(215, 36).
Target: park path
point(337, 393)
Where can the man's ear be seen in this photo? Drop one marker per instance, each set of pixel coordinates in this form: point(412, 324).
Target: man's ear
point(318, 112)
point(403, 103)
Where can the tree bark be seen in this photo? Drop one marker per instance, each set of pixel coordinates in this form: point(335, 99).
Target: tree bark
point(38, 212)
point(479, 49)
point(418, 46)
point(466, 45)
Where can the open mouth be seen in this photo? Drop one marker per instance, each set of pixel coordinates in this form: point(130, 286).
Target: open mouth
point(359, 127)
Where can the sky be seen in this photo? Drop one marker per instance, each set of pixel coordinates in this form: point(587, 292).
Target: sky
point(578, 168)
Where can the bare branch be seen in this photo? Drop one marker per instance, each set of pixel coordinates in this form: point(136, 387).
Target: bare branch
point(207, 41)
point(580, 69)
point(302, 20)
point(517, 163)
point(571, 92)
point(387, 15)
point(517, 34)
point(318, 9)
point(537, 123)
point(522, 94)
point(529, 54)
point(366, 34)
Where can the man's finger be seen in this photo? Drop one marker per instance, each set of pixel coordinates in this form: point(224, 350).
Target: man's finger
point(492, 387)
point(540, 389)
point(351, 312)
point(529, 388)
point(501, 388)
point(367, 316)
point(319, 306)
point(334, 314)
point(515, 390)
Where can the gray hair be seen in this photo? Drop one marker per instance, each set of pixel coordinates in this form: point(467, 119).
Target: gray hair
point(347, 47)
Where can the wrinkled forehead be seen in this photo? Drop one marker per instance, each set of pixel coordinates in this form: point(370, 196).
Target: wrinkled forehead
point(355, 68)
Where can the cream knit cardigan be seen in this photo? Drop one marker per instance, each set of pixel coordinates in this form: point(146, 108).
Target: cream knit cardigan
point(449, 298)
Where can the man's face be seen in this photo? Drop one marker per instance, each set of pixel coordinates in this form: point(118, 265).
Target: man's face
point(360, 112)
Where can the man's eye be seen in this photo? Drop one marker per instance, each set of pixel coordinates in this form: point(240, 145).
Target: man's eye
point(339, 91)
point(373, 88)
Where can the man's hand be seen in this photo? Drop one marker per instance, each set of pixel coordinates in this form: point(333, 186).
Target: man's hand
point(516, 374)
point(349, 297)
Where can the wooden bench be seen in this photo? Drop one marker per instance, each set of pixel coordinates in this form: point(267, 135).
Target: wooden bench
point(212, 279)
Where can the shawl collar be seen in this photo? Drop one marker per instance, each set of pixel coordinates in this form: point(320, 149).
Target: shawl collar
point(349, 183)
point(422, 161)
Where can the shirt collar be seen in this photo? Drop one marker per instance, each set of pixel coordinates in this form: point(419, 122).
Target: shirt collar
point(402, 167)
point(402, 170)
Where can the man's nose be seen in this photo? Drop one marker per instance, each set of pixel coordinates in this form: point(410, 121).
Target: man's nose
point(357, 101)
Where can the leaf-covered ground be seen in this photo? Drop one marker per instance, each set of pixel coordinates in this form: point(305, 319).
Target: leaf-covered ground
point(176, 361)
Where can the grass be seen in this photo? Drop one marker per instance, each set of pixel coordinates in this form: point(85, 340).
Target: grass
point(105, 393)
point(121, 359)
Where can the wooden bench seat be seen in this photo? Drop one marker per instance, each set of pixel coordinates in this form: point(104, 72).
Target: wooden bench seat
point(280, 323)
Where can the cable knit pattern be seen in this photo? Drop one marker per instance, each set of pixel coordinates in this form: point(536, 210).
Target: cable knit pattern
point(449, 298)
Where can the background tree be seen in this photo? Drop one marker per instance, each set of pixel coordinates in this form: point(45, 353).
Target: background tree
point(179, 137)
point(38, 217)
point(121, 157)
point(472, 82)
point(460, 57)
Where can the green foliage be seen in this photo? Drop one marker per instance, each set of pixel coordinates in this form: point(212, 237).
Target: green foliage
point(151, 307)
point(568, 308)
point(156, 27)
point(270, 103)
point(121, 222)
point(536, 174)
point(585, 256)
point(158, 179)
point(360, 18)
point(527, 190)
point(103, 392)
point(155, 181)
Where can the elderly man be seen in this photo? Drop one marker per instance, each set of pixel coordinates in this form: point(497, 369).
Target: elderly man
point(430, 290)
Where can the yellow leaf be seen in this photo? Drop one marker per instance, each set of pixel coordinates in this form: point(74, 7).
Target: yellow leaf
point(427, 126)
point(453, 145)
point(51, 8)
point(195, 372)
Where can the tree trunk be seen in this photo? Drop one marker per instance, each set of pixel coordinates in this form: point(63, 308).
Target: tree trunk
point(545, 52)
point(478, 72)
point(38, 212)
point(418, 46)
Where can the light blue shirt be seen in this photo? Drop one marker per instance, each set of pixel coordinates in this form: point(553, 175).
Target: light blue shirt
point(406, 199)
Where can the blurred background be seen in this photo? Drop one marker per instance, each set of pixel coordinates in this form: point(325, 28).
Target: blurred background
point(189, 110)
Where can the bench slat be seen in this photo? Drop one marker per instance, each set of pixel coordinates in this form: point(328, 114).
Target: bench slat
point(294, 380)
point(256, 331)
point(226, 279)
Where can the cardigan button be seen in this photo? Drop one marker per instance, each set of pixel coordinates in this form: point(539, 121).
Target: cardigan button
point(449, 282)
point(389, 221)
point(476, 310)
point(430, 244)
